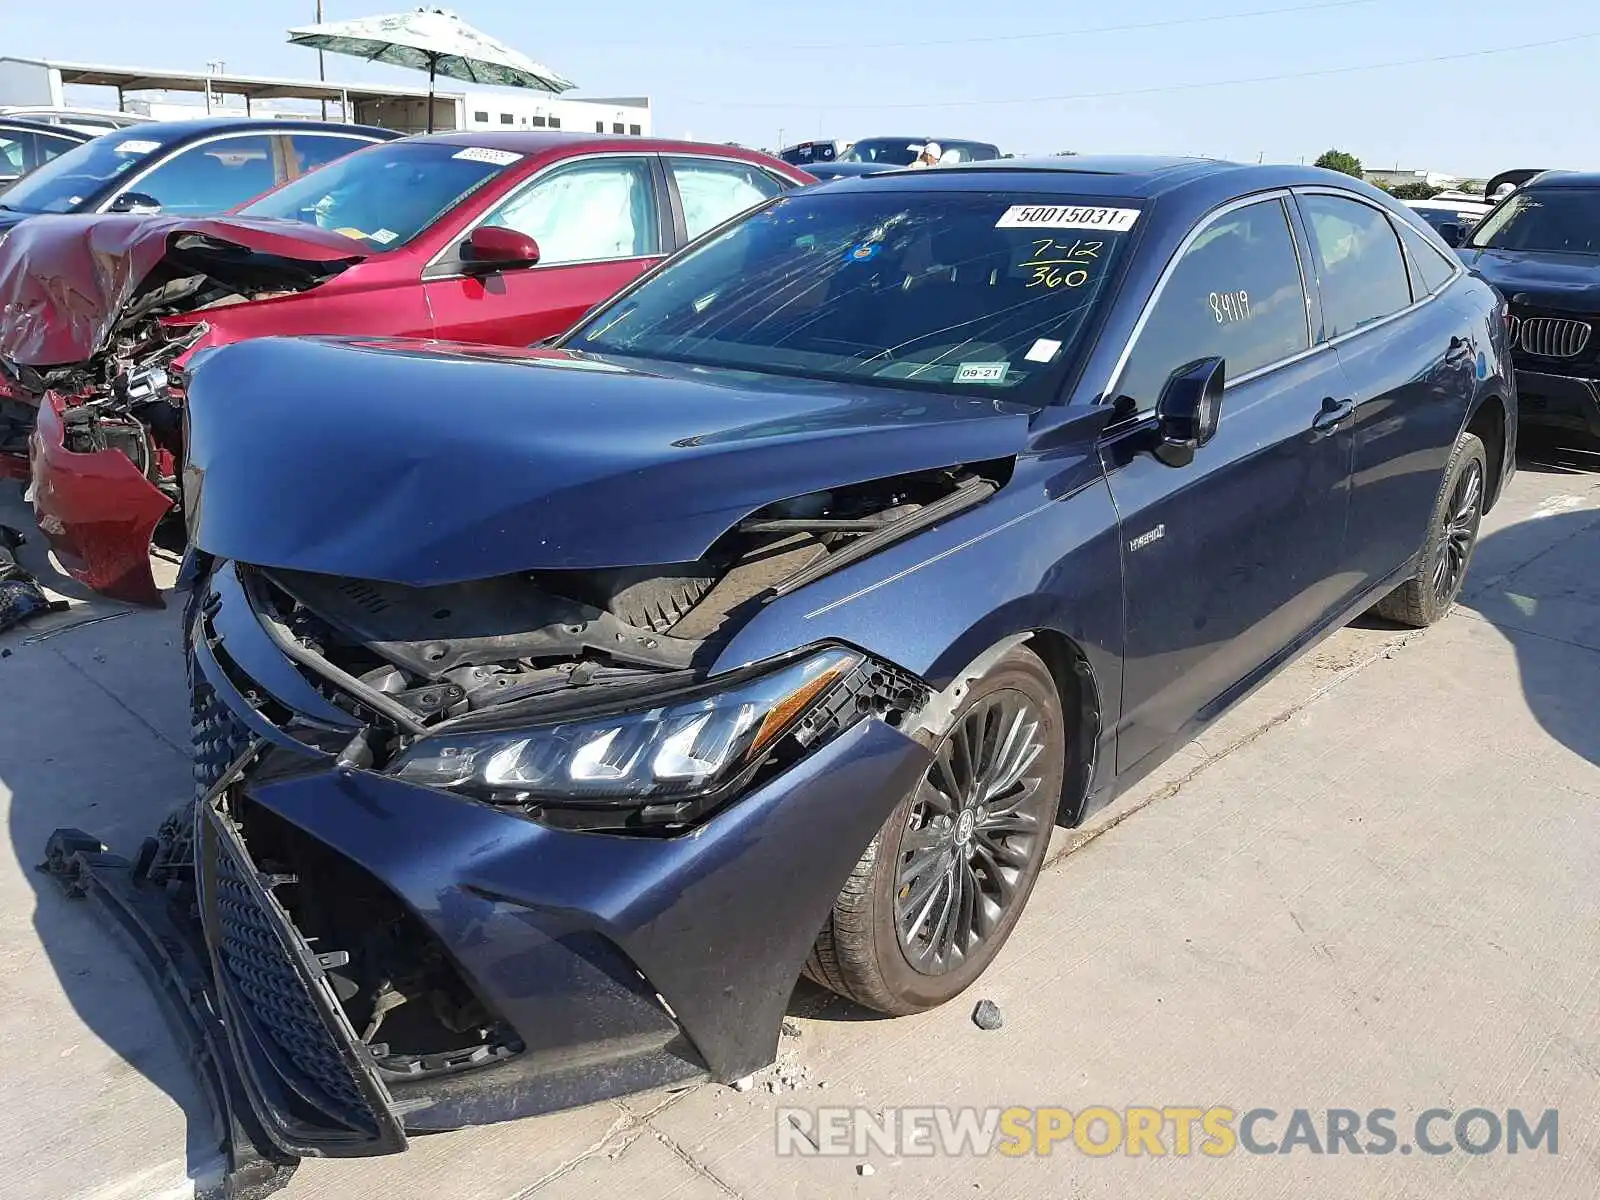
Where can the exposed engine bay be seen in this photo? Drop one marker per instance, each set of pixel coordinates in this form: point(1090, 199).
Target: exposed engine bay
point(422, 655)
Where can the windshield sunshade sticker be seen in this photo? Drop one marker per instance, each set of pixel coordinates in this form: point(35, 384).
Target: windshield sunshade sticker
point(1043, 350)
point(1061, 216)
point(483, 154)
point(981, 372)
point(137, 146)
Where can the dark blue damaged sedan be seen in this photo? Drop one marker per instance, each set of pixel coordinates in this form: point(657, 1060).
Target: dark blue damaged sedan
point(557, 710)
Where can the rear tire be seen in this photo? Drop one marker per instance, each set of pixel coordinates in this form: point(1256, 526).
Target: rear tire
point(943, 882)
point(1452, 537)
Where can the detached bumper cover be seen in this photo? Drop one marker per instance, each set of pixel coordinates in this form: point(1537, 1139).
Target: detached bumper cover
point(98, 510)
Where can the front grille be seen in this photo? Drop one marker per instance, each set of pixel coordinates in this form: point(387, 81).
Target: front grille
point(276, 997)
point(1551, 337)
point(219, 736)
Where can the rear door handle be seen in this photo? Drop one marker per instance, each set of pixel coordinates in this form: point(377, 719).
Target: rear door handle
point(1333, 414)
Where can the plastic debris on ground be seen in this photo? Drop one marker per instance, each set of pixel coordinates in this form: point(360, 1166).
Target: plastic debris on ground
point(21, 597)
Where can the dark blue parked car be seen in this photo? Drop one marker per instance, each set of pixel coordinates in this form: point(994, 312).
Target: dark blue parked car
point(570, 703)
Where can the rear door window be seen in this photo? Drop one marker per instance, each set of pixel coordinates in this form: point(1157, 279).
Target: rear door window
point(307, 152)
point(211, 177)
point(711, 191)
point(1359, 265)
point(1236, 293)
point(1430, 269)
point(48, 146)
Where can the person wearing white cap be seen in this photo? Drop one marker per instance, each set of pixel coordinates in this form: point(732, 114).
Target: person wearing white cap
point(928, 156)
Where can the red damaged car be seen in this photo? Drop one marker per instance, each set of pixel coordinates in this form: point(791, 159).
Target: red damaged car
point(503, 239)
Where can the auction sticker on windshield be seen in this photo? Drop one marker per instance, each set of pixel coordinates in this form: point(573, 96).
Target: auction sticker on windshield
point(137, 146)
point(981, 372)
point(483, 154)
point(1059, 216)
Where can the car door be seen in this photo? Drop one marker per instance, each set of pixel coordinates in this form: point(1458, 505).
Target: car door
point(597, 221)
point(1230, 560)
point(210, 176)
point(1411, 364)
point(707, 191)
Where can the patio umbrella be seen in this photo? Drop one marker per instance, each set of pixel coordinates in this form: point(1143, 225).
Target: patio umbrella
point(432, 40)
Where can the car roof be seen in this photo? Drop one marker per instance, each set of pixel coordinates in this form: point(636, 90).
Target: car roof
point(1129, 176)
point(34, 126)
point(1583, 179)
point(533, 141)
point(169, 133)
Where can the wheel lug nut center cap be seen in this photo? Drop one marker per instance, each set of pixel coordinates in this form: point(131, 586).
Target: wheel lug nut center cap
point(965, 824)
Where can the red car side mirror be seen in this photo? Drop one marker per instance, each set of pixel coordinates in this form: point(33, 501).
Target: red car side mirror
point(495, 246)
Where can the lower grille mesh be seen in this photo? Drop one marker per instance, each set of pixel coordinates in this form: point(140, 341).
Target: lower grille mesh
point(219, 737)
point(274, 994)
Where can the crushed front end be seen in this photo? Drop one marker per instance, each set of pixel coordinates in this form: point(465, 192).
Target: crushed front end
point(480, 851)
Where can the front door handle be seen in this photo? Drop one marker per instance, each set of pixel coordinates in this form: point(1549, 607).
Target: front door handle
point(1333, 414)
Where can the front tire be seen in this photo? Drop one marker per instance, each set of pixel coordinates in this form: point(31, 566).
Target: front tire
point(943, 882)
point(1452, 537)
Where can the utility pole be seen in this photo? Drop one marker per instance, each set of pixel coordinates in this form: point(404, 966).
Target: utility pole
point(322, 73)
point(779, 146)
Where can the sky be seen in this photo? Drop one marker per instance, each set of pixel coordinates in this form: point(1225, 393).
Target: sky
point(1396, 82)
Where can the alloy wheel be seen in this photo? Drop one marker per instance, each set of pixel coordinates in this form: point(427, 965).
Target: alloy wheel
point(974, 824)
point(1462, 516)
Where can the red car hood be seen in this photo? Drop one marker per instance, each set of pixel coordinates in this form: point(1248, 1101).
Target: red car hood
point(67, 281)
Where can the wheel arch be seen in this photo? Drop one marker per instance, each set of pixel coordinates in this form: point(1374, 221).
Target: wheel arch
point(1488, 421)
point(1079, 693)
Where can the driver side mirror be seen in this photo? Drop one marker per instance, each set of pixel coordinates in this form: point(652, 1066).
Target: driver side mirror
point(495, 248)
point(135, 202)
point(1189, 409)
point(1453, 233)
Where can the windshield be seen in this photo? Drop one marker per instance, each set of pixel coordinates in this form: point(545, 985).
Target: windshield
point(386, 195)
point(62, 184)
point(1563, 220)
point(897, 152)
point(954, 292)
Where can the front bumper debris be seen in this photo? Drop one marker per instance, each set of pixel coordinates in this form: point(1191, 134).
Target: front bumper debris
point(98, 510)
point(613, 964)
point(155, 915)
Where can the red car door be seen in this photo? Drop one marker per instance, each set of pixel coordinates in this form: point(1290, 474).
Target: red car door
point(598, 222)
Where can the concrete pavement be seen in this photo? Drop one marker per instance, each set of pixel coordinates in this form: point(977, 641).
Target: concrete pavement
point(1375, 884)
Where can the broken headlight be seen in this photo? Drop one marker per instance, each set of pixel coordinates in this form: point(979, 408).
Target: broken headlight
point(693, 746)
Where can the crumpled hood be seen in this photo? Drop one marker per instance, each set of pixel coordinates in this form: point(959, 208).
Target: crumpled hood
point(428, 463)
point(1544, 280)
point(65, 280)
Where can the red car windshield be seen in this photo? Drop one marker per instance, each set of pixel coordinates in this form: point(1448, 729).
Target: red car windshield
point(386, 195)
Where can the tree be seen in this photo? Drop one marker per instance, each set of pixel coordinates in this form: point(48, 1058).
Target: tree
point(1340, 160)
point(1415, 191)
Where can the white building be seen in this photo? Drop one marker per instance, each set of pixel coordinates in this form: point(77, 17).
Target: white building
point(177, 95)
point(523, 110)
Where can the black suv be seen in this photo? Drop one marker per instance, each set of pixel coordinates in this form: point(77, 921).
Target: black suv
point(1541, 248)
